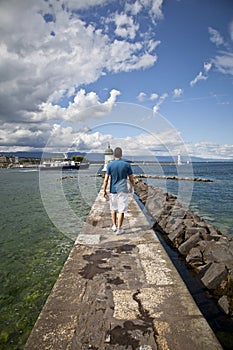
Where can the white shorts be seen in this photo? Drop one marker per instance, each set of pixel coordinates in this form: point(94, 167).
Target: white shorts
point(119, 202)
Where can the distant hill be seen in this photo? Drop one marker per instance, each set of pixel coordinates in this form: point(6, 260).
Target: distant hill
point(39, 154)
point(99, 157)
point(92, 157)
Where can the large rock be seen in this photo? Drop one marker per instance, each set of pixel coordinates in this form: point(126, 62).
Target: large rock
point(178, 211)
point(191, 231)
point(215, 275)
point(172, 224)
point(224, 304)
point(177, 235)
point(195, 257)
point(218, 251)
point(185, 247)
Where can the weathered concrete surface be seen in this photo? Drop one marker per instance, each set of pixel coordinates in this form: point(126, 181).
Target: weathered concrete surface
point(120, 292)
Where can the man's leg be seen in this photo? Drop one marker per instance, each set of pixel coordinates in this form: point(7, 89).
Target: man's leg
point(122, 209)
point(113, 209)
point(120, 220)
point(114, 217)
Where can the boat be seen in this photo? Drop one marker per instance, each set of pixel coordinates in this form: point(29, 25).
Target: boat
point(65, 164)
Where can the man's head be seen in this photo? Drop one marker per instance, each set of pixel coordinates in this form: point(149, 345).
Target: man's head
point(117, 152)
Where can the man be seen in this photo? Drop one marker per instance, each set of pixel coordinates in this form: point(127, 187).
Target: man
point(119, 171)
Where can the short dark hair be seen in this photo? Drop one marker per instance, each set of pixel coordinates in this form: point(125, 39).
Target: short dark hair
point(117, 152)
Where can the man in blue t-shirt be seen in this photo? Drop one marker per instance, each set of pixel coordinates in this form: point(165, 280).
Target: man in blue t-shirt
point(119, 171)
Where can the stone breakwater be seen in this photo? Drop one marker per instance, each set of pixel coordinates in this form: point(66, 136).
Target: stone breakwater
point(159, 177)
point(203, 246)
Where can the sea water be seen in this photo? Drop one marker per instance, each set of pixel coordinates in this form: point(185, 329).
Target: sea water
point(213, 200)
point(33, 247)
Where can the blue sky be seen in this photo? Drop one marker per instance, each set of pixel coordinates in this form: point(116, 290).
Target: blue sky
point(162, 70)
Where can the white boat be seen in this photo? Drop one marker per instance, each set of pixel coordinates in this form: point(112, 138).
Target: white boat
point(65, 164)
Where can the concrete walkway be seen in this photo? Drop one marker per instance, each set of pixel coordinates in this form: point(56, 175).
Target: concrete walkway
point(120, 292)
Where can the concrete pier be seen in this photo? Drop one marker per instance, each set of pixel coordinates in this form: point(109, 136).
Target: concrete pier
point(120, 292)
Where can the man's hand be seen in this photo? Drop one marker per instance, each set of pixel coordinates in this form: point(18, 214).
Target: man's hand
point(131, 184)
point(106, 195)
point(130, 190)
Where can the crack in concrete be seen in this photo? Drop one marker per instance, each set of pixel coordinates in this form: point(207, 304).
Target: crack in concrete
point(145, 315)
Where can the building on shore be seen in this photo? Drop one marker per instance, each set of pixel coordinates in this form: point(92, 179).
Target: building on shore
point(6, 161)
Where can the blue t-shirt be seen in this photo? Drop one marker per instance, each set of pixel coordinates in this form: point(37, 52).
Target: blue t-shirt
point(119, 171)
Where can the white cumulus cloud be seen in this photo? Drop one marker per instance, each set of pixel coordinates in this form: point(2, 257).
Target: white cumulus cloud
point(133, 8)
point(211, 150)
point(65, 138)
point(125, 26)
point(26, 136)
point(154, 7)
point(49, 50)
point(85, 106)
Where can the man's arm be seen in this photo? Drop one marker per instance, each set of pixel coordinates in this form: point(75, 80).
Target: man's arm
point(131, 183)
point(105, 185)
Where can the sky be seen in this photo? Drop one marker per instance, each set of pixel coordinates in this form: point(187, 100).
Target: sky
point(152, 76)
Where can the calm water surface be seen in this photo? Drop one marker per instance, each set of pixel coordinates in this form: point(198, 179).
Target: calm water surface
point(33, 249)
point(211, 200)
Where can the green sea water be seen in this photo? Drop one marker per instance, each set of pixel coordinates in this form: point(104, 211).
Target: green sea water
point(32, 249)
